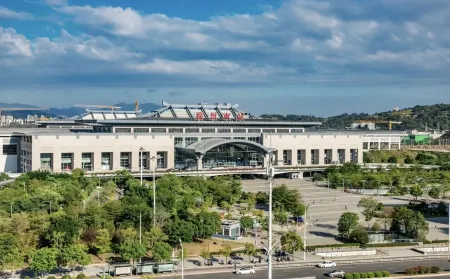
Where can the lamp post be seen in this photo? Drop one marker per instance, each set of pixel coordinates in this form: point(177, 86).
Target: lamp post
point(11, 209)
point(141, 153)
point(270, 175)
point(182, 259)
point(304, 233)
point(154, 188)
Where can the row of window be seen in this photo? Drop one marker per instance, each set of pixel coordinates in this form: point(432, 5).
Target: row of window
point(315, 158)
point(87, 161)
point(205, 130)
point(186, 141)
point(10, 149)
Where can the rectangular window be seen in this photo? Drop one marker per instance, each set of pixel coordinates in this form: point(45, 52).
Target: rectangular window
point(47, 161)
point(66, 161)
point(189, 141)
point(239, 138)
point(125, 160)
point(144, 156)
point(161, 157)
point(106, 160)
point(223, 130)
point(179, 142)
point(10, 149)
point(297, 131)
point(159, 130)
point(86, 161)
point(239, 130)
point(123, 130)
point(141, 130)
point(192, 130)
point(255, 139)
point(208, 130)
point(176, 130)
point(254, 130)
point(282, 131)
point(268, 131)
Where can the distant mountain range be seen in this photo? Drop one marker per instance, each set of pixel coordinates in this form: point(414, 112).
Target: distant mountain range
point(67, 112)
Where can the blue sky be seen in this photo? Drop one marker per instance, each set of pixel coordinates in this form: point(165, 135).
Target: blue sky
point(279, 56)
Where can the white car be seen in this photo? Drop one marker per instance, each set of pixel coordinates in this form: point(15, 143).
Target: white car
point(327, 264)
point(336, 273)
point(245, 270)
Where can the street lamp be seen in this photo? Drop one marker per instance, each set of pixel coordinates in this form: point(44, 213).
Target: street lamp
point(141, 153)
point(304, 233)
point(154, 187)
point(270, 175)
point(182, 259)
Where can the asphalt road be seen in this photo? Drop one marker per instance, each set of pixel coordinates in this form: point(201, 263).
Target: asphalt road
point(298, 273)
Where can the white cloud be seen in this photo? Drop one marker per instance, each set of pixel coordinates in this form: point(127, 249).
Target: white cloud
point(302, 40)
point(8, 13)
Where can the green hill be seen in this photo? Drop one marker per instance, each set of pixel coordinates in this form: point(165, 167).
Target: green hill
point(418, 117)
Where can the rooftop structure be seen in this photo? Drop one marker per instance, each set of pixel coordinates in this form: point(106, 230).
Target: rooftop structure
point(201, 111)
point(106, 115)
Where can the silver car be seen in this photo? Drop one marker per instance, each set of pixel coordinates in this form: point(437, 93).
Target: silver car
point(336, 273)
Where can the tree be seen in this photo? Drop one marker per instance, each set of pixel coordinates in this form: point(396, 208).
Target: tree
point(44, 260)
point(280, 216)
point(179, 229)
point(359, 233)
point(102, 243)
point(411, 223)
point(392, 160)
point(250, 250)
point(376, 227)
point(435, 192)
point(285, 197)
point(74, 255)
point(246, 223)
point(153, 236)
point(347, 222)
point(130, 248)
point(205, 254)
point(182, 254)
point(370, 208)
point(416, 191)
point(10, 255)
point(162, 251)
point(291, 242)
point(226, 251)
point(207, 224)
point(408, 160)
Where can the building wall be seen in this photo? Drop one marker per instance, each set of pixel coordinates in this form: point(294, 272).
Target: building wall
point(98, 143)
point(8, 161)
point(322, 144)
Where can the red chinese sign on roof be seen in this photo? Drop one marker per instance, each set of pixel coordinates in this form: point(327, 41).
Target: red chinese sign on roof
point(199, 115)
point(240, 116)
point(226, 116)
point(213, 116)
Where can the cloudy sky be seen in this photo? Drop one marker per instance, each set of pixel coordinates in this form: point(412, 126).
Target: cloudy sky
point(282, 56)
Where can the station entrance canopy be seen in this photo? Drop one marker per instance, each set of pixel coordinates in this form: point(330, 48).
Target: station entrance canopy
point(203, 146)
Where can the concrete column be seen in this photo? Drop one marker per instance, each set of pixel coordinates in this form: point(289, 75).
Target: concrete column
point(170, 160)
point(308, 156)
point(199, 161)
point(294, 157)
point(389, 143)
point(321, 156)
point(279, 158)
point(360, 156)
point(348, 156)
point(379, 143)
point(116, 160)
point(76, 160)
point(135, 162)
point(57, 162)
point(97, 161)
point(334, 155)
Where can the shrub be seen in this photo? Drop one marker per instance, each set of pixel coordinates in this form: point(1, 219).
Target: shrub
point(356, 275)
point(66, 277)
point(423, 269)
point(363, 275)
point(411, 271)
point(435, 269)
point(51, 277)
point(348, 276)
point(27, 277)
point(81, 276)
point(370, 275)
point(379, 274)
point(386, 273)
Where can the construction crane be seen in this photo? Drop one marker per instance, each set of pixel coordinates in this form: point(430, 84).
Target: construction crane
point(376, 121)
point(20, 109)
point(113, 108)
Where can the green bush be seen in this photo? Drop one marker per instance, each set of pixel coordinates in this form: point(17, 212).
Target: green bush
point(379, 274)
point(393, 244)
point(66, 277)
point(435, 269)
point(51, 277)
point(348, 276)
point(81, 276)
point(363, 275)
point(370, 275)
point(356, 275)
point(386, 273)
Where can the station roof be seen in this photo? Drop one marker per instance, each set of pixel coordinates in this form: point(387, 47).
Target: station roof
point(203, 146)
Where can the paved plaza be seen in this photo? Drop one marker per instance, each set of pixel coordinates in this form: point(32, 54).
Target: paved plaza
point(326, 206)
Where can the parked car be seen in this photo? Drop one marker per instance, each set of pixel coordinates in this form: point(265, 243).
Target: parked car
point(336, 273)
point(245, 270)
point(327, 264)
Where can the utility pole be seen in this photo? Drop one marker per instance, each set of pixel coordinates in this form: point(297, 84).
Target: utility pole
point(140, 227)
point(11, 209)
point(141, 153)
point(182, 259)
point(154, 190)
point(304, 232)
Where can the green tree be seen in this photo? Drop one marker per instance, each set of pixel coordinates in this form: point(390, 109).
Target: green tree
point(280, 216)
point(416, 191)
point(291, 242)
point(44, 260)
point(376, 227)
point(153, 236)
point(392, 160)
point(162, 251)
point(347, 222)
point(226, 251)
point(246, 223)
point(102, 243)
point(75, 255)
point(10, 255)
point(370, 208)
point(250, 250)
point(179, 229)
point(435, 192)
point(359, 234)
point(130, 248)
point(207, 224)
point(411, 223)
point(205, 254)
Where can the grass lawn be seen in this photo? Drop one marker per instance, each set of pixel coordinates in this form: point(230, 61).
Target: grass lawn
point(194, 249)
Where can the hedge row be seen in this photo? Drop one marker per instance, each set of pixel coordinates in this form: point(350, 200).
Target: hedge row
point(233, 253)
point(79, 276)
point(376, 274)
point(346, 245)
point(422, 270)
point(393, 244)
point(435, 241)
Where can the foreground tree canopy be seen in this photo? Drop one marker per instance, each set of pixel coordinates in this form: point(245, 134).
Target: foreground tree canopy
point(56, 219)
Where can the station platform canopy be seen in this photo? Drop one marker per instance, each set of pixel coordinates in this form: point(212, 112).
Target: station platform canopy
point(203, 146)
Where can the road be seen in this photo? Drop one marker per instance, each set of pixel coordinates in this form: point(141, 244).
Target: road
point(286, 273)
